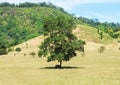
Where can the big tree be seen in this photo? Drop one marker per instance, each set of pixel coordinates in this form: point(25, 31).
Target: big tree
point(60, 43)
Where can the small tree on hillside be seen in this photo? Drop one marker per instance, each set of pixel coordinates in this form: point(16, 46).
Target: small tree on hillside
point(18, 49)
point(3, 48)
point(60, 44)
point(101, 35)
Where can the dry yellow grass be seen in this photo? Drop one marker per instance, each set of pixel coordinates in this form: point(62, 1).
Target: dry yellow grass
point(90, 34)
point(92, 69)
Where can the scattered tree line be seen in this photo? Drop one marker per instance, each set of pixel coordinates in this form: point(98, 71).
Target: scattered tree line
point(113, 29)
point(29, 4)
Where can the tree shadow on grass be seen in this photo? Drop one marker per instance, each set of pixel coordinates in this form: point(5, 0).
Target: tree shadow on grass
point(63, 67)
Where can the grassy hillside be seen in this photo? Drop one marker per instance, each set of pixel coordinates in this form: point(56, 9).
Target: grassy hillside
point(22, 22)
point(89, 33)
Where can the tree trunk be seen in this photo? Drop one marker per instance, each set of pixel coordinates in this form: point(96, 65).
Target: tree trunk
point(60, 64)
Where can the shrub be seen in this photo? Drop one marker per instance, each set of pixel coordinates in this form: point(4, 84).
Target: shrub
point(119, 48)
point(10, 49)
point(3, 51)
point(18, 49)
point(32, 54)
point(118, 41)
point(101, 49)
point(101, 35)
point(25, 54)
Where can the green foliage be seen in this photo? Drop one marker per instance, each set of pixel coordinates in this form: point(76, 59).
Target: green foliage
point(60, 44)
point(6, 4)
point(3, 51)
point(3, 46)
point(101, 49)
point(118, 41)
point(101, 35)
point(19, 23)
point(18, 49)
point(10, 49)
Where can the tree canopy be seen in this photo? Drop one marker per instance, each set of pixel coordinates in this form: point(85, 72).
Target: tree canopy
point(60, 43)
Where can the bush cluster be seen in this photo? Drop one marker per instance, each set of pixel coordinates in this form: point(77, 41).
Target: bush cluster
point(18, 49)
point(32, 54)
point(3, 51)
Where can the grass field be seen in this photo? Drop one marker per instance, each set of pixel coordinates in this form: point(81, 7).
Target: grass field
point(92, 69)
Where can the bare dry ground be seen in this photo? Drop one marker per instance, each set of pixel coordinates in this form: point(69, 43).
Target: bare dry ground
point(93, 68)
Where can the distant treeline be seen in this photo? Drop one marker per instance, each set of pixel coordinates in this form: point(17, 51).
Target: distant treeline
point(113, 29)
point(29, 4)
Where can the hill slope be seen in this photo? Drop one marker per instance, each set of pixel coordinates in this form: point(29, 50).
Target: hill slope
point(88, 33)
point(18, 24)
point(25, 21)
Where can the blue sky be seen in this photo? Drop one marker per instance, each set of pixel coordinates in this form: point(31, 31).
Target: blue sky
point(104, 10)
